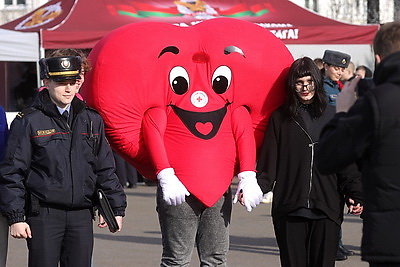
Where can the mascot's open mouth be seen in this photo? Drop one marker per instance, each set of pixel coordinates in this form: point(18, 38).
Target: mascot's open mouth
point(204, 125)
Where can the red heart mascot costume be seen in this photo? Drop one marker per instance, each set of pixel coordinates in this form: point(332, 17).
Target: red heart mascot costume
point(188, 106)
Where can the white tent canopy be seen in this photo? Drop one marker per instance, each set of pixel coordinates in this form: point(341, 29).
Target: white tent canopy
point(19, 46)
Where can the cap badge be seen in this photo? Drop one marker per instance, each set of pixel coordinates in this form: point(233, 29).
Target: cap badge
point(65, 64)
point(344, 61)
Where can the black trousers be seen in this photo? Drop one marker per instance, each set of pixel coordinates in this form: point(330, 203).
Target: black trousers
point(64, 236)
point(126, 173)
point(305, 242)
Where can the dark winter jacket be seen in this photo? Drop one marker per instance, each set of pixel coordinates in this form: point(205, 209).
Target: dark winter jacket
point(58, 164)
point(371, 130)
point(288, 159)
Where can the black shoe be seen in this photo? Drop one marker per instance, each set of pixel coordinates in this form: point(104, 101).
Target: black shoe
point(340, 256)
point(131, 185)
point(346, 251)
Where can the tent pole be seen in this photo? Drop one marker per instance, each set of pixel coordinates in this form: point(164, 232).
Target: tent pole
point(41, 55)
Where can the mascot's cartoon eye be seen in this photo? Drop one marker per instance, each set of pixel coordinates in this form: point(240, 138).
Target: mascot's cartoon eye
point(221, 79)
point(179, 80)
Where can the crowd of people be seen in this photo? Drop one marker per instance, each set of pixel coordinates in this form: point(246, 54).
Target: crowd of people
point(325, 148)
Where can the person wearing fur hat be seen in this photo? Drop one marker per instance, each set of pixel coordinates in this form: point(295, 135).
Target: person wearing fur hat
point(335, 63)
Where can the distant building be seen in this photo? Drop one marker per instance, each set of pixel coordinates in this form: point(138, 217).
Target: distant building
point(12, 9)
point(350, 11)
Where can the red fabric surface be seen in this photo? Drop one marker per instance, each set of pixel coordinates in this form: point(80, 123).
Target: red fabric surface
point(82, 23)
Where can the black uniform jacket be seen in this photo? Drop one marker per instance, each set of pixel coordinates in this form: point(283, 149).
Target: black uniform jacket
point(58, 164)
point(287, 165)
point(371, 130)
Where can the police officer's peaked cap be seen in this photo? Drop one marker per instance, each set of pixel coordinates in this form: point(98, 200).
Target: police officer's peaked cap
point(60, 68)
point(336, 58)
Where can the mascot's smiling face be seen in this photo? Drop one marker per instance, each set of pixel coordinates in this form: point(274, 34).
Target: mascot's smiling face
point(203, 124)
point(197, 74)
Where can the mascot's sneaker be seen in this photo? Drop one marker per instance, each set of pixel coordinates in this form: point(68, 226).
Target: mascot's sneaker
point(267, 198)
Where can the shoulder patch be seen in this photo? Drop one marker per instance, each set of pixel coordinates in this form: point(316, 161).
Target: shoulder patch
point(24, 112)
point(20, 115)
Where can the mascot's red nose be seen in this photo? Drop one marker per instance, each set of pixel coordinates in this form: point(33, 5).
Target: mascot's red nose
point(200, 57)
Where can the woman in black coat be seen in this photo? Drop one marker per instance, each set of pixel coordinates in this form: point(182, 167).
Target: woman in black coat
point(307, 206)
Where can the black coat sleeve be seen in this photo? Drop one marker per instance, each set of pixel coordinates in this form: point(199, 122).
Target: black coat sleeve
point(349, 182)
point(267, 163)
point(13, 170)
point(107, 180)
point(345, 138)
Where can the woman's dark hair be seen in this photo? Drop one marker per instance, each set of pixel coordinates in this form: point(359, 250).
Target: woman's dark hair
point(303, 67)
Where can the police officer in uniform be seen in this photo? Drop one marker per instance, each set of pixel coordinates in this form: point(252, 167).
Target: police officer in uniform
point(335, 63)
point(56, 157)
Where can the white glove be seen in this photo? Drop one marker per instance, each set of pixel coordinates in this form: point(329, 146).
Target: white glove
point(252, 194)
point(174, 192)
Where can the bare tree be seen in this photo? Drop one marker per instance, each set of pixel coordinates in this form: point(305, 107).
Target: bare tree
point(351, 11)
point(315, 5)
point(373, 11)
point(396, 13)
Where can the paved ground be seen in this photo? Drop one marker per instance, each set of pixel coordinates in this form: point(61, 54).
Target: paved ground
point(139, 244)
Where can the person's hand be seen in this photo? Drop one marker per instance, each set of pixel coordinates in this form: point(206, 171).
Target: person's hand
point(347, 96)
point(20, 230)
point(174, 192)
point(102, 223)
point(248, 192)
point(268, 197)
point(355, 209)
point(119, 221)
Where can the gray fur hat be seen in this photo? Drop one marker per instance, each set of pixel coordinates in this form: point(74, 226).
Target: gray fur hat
point(336, 58)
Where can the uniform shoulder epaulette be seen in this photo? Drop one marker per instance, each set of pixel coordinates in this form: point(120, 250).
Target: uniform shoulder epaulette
point(24, 112)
